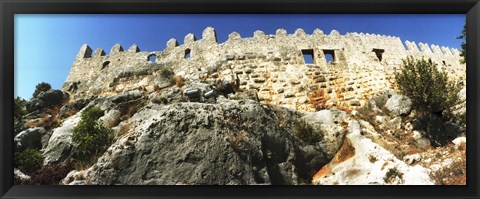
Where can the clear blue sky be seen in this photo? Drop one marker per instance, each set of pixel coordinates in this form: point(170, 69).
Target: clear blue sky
point(46, 45)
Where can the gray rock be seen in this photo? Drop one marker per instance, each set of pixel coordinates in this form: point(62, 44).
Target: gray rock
point(196, 143)
point(329, 123)
point(73, 107)
point(399, 105)
point(111, 118)
point(30, 138)
point(127, 96)
point(60, 143)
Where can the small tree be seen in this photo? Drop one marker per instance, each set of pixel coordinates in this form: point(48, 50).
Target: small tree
point(90, 136)
point(41, 87)
point(19, 109)
point(463, 37)
point(428, 87)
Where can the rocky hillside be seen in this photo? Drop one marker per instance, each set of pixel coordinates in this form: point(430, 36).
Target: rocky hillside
point(188, 133)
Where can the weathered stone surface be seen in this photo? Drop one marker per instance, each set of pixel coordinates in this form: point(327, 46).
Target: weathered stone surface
point(399, 105)
point(60, 143)
point(365, 162)
point(194, 143)
point(329, 122)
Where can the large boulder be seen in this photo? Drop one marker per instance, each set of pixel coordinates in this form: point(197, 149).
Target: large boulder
point(30, 138)
point(60, 143)
point(399, 105)
point(331, 124)
point(236, 142)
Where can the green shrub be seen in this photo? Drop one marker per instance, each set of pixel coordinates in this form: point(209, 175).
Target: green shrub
point(90, 136)
point(19, 109)
point(41, 87)
point(166, 73)
point(428, 87)
point(307, 134)
point(28, 160)
point(392, 174)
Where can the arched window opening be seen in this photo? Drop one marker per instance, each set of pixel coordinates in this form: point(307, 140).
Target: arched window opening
point(187, 53)
point(105, 64)
point(152, 58)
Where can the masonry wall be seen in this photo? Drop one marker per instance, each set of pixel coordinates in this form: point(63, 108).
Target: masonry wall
point(272, 65)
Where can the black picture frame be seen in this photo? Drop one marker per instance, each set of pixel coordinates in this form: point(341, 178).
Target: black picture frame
point(8, 8)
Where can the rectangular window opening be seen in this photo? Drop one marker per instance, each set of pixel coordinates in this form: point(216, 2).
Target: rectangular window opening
point(308, 56)
point(329, 56)
point(379, 53)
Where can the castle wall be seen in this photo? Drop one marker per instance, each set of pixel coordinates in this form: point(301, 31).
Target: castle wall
point(273, 65)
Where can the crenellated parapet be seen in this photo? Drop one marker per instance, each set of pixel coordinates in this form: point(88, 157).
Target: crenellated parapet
point(262, 62)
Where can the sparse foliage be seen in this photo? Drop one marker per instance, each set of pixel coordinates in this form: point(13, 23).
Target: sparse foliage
point(41, 87)
point(90, 136)
point(19, 109)
point(393, 174)
point(427, 86)
point(463, 37)
point(28, 160)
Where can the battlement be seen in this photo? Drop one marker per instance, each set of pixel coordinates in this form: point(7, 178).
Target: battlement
point(261, 62)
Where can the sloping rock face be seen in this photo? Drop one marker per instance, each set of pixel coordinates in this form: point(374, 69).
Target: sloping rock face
point(360, 161)
point(233, 143)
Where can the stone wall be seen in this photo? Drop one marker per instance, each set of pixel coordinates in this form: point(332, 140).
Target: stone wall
point(273, 65)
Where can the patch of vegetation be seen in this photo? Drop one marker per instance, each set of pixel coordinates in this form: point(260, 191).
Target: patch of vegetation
point(463, 37)
point(90, 136)
point(166, 72)
point(372, 158)
point(432, 94)
point(454, 174)
point(307, 134)
point(41, 87)
point(28, 160)
point(392, 174)
point(19, 109)
point(427, 87)
point(48, 175)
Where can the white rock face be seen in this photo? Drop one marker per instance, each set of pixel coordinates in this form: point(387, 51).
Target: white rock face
point(399, 105)
point(370, 165)
point(459, 140)
point(330, 123)
point(60, 142)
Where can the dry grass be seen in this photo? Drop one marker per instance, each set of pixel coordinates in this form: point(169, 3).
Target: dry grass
point(455, 174)
point(179, 81)
point(49, 175)
point(236, 140)
point(124, 129)
point(47, 122)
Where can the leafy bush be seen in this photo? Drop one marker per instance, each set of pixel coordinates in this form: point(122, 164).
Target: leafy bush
point(41, 87)
point(28, 160)
point(429, 88)
point(166, 73)
point(392, 174)
point(90, 137)
point(19, 109)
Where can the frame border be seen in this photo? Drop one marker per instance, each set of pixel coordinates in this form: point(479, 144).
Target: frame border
point(8, 8)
